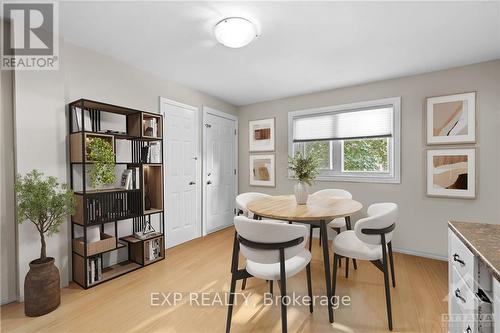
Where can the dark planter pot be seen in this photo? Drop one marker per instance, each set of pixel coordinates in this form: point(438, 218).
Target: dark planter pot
point(42, 291)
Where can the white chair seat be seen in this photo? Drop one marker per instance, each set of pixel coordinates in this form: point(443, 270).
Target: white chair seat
point(272, 271)
point(337, 223)
point(347, 244)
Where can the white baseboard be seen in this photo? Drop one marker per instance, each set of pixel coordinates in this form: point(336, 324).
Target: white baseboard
point(420, 254)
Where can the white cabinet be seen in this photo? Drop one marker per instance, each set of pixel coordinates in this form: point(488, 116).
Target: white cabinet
point(496, 305)
point(471, 290)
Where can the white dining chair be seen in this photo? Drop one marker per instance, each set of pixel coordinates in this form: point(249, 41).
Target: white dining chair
point(242, 201)
point(338, 223)
point(370, 240)
point(273, 251)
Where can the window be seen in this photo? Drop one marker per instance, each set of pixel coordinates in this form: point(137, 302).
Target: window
point(356, 142)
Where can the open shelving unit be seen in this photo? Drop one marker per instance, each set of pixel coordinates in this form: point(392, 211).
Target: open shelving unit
point(111, 207)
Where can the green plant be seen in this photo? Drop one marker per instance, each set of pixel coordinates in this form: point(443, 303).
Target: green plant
point(100, 152)
point(45, 202)
point(305, 168)
point(366, 155)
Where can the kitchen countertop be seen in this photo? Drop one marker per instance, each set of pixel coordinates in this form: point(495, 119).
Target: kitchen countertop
point(483, 240)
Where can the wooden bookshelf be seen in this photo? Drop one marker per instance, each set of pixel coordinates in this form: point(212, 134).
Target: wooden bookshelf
point(99, 207)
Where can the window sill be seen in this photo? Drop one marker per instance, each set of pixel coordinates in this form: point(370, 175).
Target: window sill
point(357, 179)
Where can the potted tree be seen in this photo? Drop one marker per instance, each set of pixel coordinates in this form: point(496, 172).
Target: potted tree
point(305, 168)
point(46, 203)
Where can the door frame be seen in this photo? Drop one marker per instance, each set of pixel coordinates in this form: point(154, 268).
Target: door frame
point(206, 111)
point(199, 189)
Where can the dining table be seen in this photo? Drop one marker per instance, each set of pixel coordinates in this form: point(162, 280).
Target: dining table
point(318, 211)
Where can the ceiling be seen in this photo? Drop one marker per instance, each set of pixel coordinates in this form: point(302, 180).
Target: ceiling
point(304, 46)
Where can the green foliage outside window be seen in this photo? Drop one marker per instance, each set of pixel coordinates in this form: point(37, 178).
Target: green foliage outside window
point(368, 155)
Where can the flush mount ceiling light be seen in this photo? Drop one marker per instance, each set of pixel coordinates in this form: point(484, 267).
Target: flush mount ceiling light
point(235, 32)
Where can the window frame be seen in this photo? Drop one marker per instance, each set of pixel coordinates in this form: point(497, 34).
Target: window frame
point(394, 149)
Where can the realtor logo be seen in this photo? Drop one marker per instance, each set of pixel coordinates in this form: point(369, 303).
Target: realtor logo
point(29, 39)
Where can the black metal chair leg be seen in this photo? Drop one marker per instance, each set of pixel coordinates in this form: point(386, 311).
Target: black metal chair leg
point(231, 301)
point(334, 275)
point(284, 325)
point(391, 260)
point(310, 237)
point(346, 268)
point(309, 286)
point(349, 227)
point(386, 284)
point(244, 284)
point(271, 287)
point(320, 237)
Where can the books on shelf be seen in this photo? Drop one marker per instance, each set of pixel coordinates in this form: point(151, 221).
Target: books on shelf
point(77, 120)
point(94, 269)
point(154, 249)
point(151, 153)
point(131, 179)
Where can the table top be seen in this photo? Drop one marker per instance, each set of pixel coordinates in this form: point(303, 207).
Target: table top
point(318, 207)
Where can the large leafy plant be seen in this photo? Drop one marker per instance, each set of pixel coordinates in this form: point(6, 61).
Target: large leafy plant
point(305, 167)
point(45, 202)
point(100, 152)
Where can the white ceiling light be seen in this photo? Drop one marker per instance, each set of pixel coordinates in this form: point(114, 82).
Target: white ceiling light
point(235, 32)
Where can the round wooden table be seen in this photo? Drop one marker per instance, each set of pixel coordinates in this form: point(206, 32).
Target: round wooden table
point(319, 211)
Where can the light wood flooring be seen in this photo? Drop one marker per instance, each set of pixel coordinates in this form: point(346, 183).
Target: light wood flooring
point(124, 304)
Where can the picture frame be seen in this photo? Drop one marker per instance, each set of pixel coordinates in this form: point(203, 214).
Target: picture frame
point(262, 170)
point(451, 119)
point(261, 135)
point(451, 173)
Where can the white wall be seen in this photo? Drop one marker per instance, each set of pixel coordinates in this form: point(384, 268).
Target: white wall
point(41, 123)
point(8, 287)
point(423, 221)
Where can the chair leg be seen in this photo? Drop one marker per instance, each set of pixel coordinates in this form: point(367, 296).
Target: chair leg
point(309, 287)
point(346, 267)
point(391, 260)
point(284, 325)
point(310, 237)
point(334, 275)
point(349, 227)
point(244, 284)
point(386, 285)
point(271, 287)
point(320, 237)
point(231, 301)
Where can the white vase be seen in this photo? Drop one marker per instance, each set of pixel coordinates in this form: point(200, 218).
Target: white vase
point(301, 191)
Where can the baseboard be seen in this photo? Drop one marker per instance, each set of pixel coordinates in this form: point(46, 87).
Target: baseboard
point(420, 254)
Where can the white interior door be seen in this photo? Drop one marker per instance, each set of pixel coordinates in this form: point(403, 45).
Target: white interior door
point(220, 171)
point(182, 172)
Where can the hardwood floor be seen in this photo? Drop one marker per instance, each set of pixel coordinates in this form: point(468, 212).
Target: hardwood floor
point(124, 304)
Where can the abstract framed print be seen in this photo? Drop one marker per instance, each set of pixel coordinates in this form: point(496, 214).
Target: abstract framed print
point(451, 119)
point(262, 170)
point(451, 173)
point(261, 135)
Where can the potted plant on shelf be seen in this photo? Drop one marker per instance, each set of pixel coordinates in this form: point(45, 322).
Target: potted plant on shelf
point(100, 152)
point(46, 203)
point(305, 169)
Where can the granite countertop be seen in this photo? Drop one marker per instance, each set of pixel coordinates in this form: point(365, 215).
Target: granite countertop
point(483, 240)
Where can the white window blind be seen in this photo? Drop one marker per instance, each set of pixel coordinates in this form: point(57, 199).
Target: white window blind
point(352, 124)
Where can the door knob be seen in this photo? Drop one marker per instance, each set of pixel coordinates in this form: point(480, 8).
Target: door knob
point(192, 183)
point(209, 182)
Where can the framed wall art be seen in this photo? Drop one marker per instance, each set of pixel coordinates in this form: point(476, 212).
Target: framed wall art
point(262, 170)
point(451, 119)
point(261, 135)
point(451, 173)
